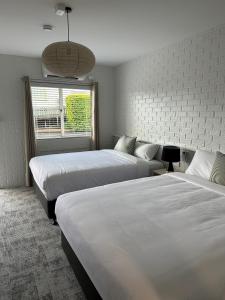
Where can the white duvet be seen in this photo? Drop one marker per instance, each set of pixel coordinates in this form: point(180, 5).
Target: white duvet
point(57, 174)
point(152, 238)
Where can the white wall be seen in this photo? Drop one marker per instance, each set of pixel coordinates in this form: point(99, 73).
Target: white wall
point(176, 95)
point(12, 69)
point(62, 145)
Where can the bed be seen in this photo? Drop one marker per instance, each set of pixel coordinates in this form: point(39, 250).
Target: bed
point(57, 174)
point(151, 238)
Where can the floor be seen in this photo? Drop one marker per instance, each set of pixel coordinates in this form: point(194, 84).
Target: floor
point(32, 262)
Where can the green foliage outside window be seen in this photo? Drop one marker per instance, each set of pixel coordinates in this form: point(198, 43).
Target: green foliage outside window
point(78, 112)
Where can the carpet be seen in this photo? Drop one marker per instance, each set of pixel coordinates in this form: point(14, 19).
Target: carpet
point(32, 262)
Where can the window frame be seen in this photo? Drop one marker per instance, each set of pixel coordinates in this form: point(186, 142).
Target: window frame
point(61, 85)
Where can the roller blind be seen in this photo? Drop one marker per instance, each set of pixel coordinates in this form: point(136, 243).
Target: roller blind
point(61, 112)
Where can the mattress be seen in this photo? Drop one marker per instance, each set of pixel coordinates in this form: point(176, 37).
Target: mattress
point(57, 174)
point(152, 238)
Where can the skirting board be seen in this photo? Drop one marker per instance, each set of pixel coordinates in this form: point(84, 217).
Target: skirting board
point(87, 286)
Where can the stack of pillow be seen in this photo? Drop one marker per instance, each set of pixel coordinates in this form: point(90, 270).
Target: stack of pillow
point(142, 150)
point(208, 165)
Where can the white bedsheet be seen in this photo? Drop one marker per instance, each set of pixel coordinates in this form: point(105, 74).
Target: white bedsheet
point(152, 238)
point(58, 174)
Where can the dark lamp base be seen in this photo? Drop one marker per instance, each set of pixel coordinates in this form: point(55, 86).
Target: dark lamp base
point(170, 167)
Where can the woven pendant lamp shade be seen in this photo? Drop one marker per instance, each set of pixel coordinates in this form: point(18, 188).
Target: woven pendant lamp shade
point(68, 59)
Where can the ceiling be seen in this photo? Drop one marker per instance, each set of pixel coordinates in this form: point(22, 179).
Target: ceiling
point(115, 30)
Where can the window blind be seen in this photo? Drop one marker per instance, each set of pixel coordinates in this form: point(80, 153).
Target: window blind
point(61, 112)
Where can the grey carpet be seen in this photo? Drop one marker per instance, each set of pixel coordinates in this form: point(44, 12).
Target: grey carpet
point(32, 262)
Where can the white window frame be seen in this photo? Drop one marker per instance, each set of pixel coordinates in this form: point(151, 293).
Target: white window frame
point(61, 85)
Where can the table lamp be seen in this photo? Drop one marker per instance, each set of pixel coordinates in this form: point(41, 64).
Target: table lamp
point(171, 154)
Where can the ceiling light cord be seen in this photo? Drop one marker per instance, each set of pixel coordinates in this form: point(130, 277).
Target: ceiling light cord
point(68, 10)
point(67, 59)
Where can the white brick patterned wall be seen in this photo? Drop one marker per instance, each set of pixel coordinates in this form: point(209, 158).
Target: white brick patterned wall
point(176, 95)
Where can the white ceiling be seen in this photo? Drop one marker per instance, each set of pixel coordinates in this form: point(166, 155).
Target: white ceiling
point(115, 30)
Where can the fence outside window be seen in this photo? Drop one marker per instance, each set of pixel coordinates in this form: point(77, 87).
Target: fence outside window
point(61, 112)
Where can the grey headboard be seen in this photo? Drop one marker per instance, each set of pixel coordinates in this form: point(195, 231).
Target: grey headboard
point(186, 155)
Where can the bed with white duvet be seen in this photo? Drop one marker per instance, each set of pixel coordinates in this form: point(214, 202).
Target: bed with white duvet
point(152, 238)
point(57, 174)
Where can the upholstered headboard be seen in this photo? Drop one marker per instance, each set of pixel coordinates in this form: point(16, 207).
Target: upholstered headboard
point(159, 153)
point(186, 155)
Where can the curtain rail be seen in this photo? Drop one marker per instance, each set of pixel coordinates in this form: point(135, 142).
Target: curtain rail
point(56, 81)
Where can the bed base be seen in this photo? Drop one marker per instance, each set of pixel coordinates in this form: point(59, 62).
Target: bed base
point(49, 206)
point(87, 286)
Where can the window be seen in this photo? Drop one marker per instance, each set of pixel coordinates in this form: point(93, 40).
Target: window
point(61, 112)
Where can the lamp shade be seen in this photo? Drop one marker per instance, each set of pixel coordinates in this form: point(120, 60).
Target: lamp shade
point(171, 154)
point(68, 59)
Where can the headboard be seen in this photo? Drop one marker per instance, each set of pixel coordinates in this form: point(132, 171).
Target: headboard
point(186, 155)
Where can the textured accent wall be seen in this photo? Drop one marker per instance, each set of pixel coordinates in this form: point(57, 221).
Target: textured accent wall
point(176, 95)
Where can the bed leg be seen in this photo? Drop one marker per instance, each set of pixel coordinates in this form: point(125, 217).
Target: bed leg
point(55, 223)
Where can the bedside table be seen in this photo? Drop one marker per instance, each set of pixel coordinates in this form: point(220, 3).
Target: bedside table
point(160, 172)
point(164, 171)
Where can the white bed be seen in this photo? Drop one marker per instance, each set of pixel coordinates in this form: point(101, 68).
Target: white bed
point(57, 174)
point(152, 238)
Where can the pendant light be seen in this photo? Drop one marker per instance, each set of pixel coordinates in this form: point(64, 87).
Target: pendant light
point(68, 59)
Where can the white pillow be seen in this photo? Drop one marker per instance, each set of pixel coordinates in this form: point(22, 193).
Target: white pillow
point(202, 164)
point(126, 144)
point(145, 151)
